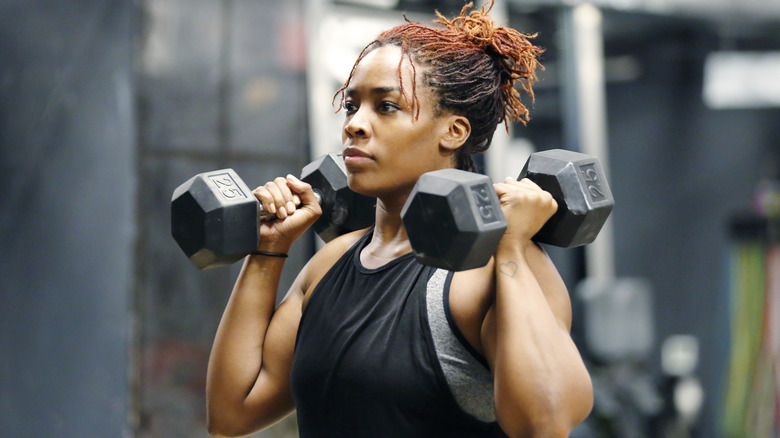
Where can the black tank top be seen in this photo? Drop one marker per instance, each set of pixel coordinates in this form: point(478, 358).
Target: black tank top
point(365, 364)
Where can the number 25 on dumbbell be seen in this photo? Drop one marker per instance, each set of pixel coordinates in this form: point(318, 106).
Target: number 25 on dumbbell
point(454, 221)
point(226, 185)
point(214, 215)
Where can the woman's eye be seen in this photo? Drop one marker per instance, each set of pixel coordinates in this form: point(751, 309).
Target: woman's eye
point(350, 107)
point(387, 107)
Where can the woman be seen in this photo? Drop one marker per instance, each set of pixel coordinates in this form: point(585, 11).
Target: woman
point(367, 342)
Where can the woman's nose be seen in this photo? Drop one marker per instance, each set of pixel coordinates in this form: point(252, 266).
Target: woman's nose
point(357, 125)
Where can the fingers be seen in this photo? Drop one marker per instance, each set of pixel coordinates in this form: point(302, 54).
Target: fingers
point(283, 196)
point(526, 207)
point(527, 190)
point(303, 191)
point(277, 198)
point(510, 184)
point(306, 196)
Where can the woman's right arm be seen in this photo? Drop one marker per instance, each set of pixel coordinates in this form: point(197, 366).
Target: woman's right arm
point(248, 381)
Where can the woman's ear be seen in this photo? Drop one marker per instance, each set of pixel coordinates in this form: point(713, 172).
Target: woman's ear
point(458, 131)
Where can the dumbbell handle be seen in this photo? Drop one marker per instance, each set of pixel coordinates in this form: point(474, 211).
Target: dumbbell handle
point(230, 186)
point(578, 184)
point(215, 216)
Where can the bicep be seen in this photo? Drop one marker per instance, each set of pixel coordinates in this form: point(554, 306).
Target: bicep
point(279, 345)
point(273, 388)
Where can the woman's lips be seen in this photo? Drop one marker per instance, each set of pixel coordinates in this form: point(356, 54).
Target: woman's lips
point(355, 157)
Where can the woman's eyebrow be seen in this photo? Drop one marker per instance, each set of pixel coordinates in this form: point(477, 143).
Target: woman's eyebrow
point(375, 90)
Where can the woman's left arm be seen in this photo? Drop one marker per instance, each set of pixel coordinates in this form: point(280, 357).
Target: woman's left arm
point(542, 388)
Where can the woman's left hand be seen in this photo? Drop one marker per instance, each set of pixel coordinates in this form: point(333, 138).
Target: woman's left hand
point(526, 207)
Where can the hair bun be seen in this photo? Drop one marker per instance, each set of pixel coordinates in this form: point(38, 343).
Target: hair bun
point(471, 65)
point(513, 51)
point(477, 26)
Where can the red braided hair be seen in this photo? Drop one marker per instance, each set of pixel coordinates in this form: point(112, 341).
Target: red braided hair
point(472, 65)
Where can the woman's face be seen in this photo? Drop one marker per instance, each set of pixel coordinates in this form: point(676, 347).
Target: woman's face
point(386, 148)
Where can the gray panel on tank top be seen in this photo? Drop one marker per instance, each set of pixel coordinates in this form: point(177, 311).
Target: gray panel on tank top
point(470, 382)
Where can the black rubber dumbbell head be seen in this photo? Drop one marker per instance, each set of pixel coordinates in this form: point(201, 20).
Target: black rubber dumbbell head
point(579, 186)
point(453, 219)
point(214, 215)
point(342, 209)
point(214, 218)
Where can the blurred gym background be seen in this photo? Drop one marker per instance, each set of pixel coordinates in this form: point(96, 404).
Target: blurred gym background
point(107, 105)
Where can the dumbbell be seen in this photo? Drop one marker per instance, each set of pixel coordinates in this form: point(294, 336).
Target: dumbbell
point(454, 220)
point(215, 217)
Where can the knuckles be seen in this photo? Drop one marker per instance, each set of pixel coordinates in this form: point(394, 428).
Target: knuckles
point(526, 195)
point(260, 193)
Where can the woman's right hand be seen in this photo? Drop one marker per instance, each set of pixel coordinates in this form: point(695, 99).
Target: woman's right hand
point(293, 203)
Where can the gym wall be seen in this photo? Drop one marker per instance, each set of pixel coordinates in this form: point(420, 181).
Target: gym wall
point(219, 84)
point(67, 216)
point(682, 172)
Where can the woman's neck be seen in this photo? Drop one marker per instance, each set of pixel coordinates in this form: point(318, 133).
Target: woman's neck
point(389, 240)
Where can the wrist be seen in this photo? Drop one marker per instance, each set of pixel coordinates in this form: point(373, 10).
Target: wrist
point(513, 247)
point(268, 246)
point(269, 254)
point(282, 255)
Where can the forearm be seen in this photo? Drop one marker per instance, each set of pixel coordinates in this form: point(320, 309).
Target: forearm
point(236, 361)
point(542, 386)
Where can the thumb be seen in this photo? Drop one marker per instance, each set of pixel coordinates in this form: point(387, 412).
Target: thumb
point(302, 189)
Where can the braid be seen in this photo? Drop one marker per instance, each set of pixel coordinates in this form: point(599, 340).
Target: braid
point(473, 66)
point(465, 162)
point(515, 54)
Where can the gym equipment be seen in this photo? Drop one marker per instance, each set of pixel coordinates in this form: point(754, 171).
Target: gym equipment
point(454, 220)
point(579, 186)
point(215, 216)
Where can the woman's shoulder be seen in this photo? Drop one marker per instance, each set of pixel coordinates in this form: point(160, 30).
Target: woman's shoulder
point(328, 255)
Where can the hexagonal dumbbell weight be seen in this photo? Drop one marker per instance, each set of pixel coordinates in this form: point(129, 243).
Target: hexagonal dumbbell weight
point(214, 215)
point(454, 220)
point(579, 185)
point(342, 209)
